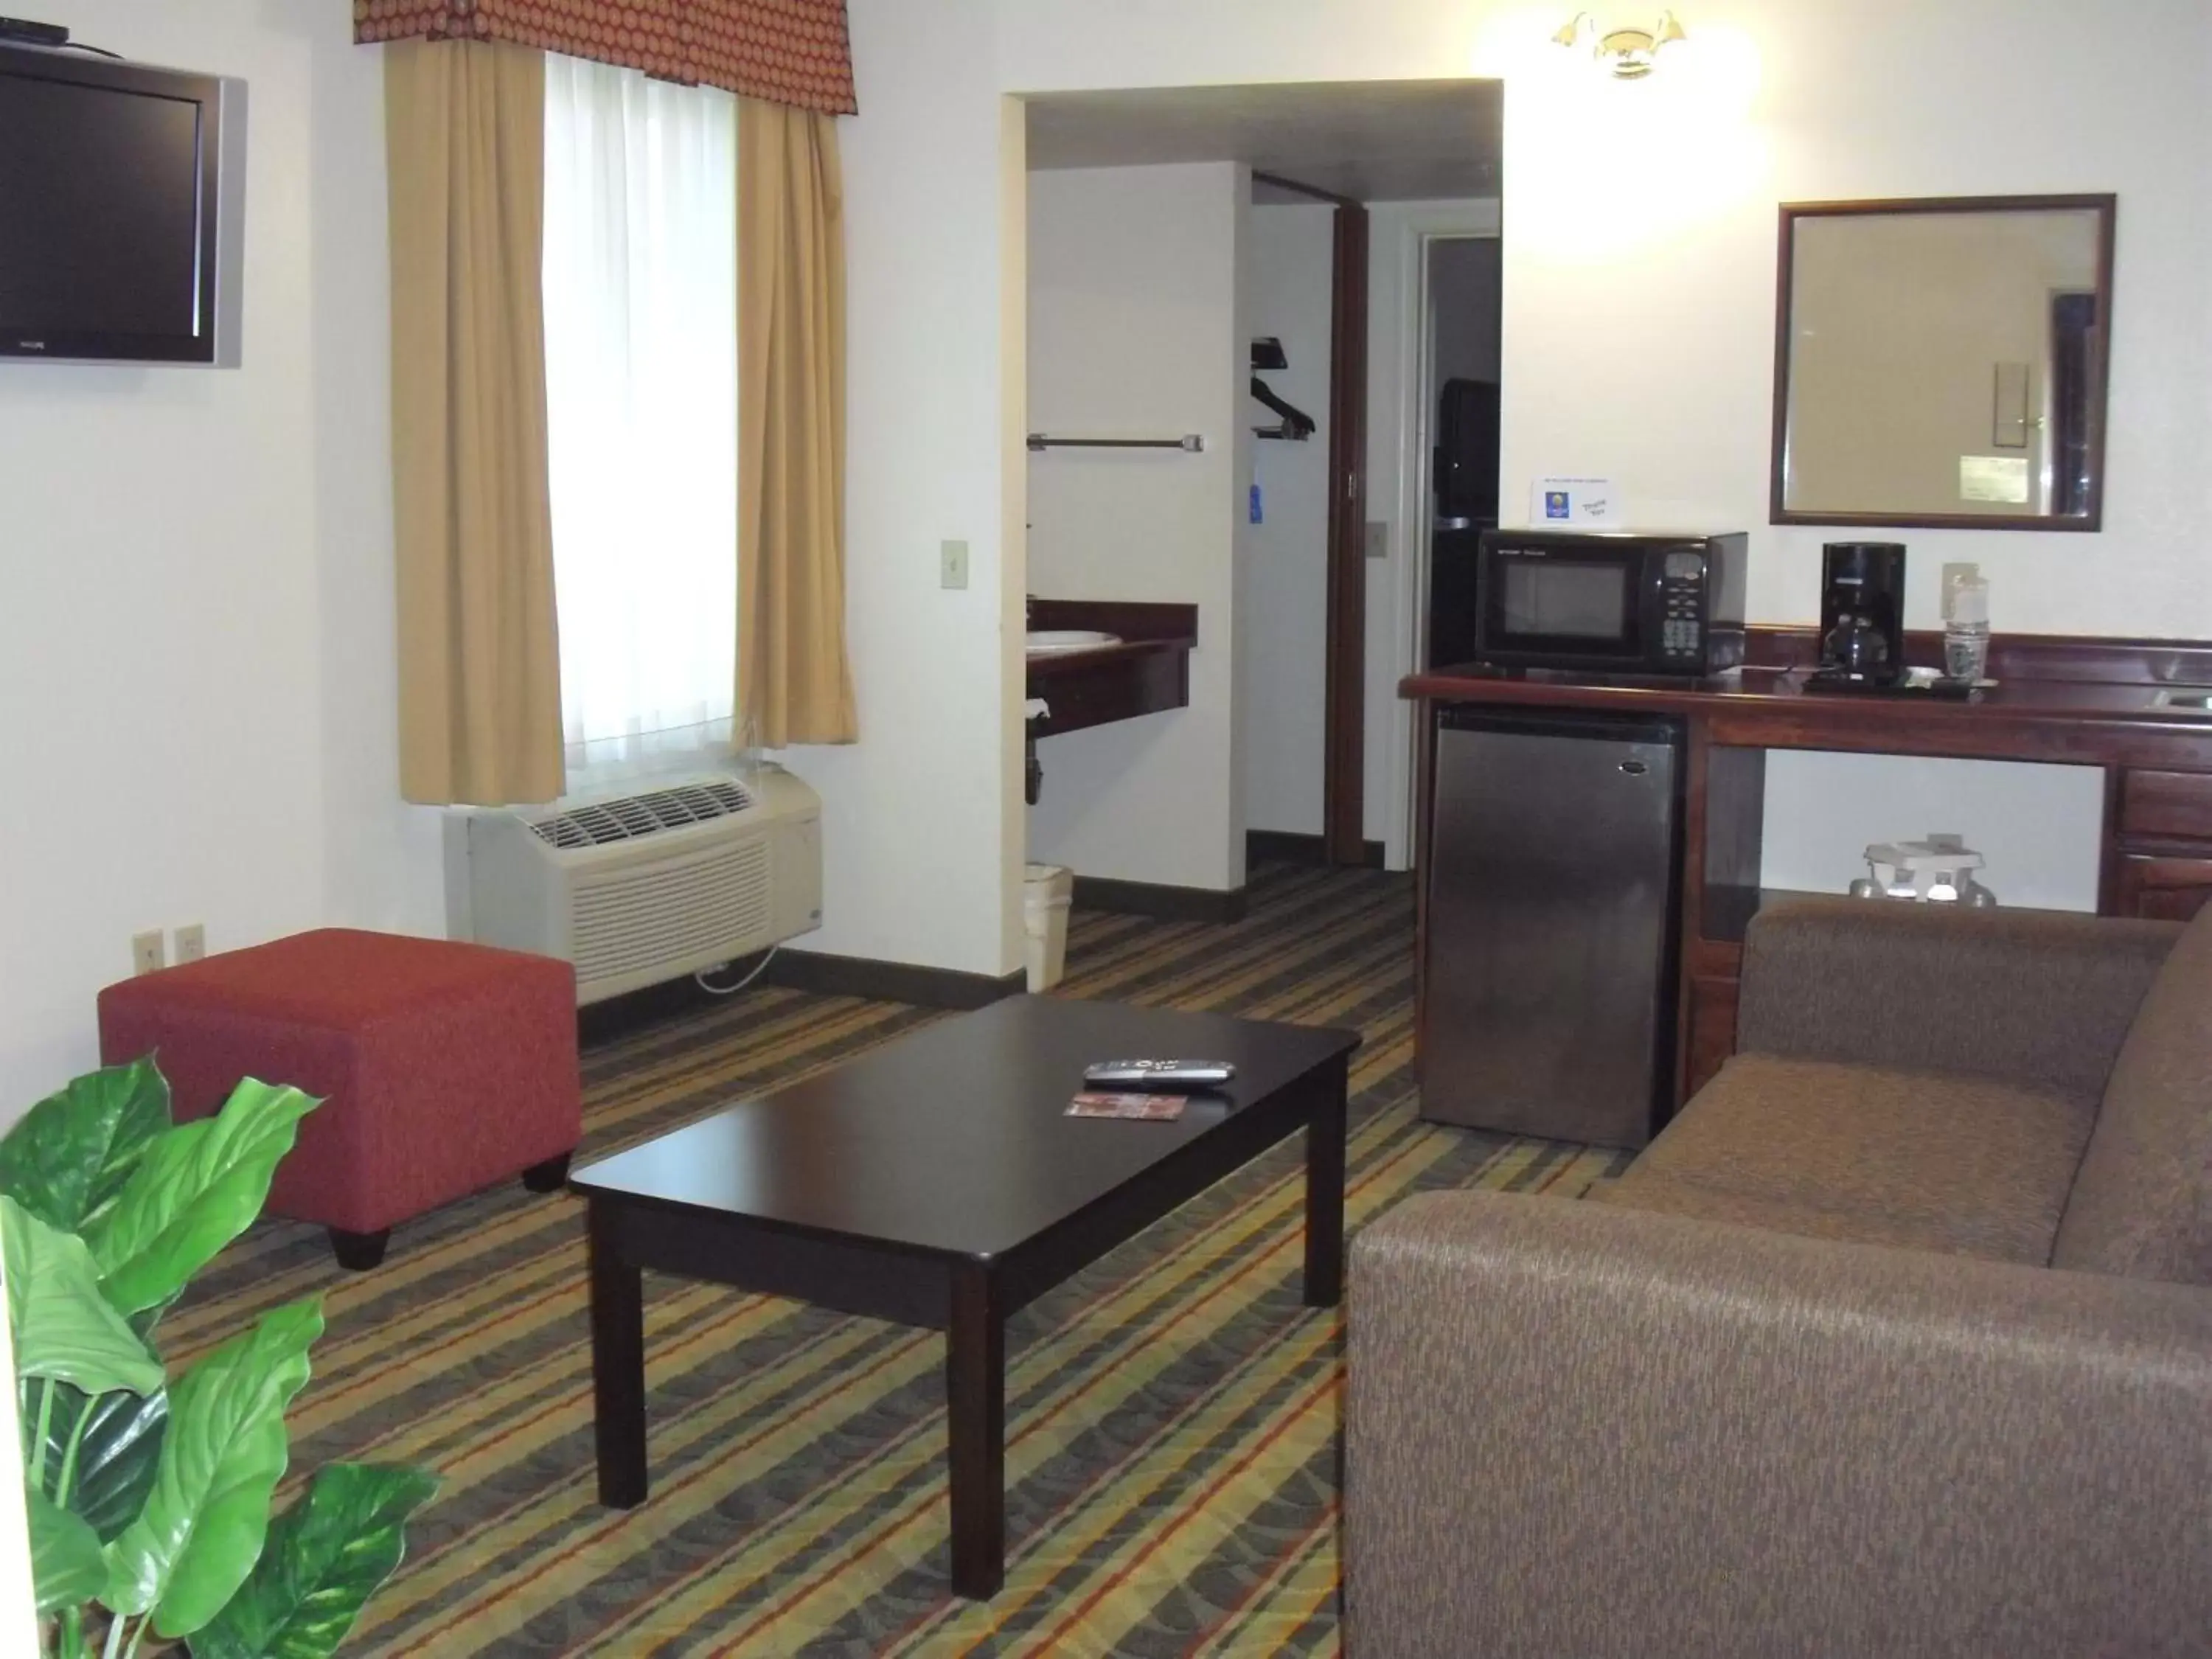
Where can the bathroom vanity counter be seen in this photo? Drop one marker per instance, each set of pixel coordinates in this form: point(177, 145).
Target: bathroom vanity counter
point(1146, 669)
point(2135, 708)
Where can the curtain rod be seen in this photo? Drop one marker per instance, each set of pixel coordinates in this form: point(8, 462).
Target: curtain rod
point(1193, 441)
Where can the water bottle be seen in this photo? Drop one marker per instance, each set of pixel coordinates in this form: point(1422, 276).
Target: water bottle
point(1967, 628)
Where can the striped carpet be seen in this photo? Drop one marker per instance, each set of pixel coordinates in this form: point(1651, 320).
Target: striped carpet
point(1172, 1411)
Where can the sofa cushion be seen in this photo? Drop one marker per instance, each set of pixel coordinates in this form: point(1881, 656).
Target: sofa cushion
point(2143, 1202)
point(1664, 1195)
point(1932, 1160)
point(2037, 999)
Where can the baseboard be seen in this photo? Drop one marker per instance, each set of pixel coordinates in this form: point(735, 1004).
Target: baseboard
point(890, 981)
point(800, 970)
point(1159, 900)
point(1283, 846)
point(617, 1017)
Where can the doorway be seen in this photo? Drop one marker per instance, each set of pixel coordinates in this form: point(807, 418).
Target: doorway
point(1301, 580)
point(1319, 615)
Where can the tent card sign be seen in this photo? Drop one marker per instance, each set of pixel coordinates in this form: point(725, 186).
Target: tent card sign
point(1559, 503)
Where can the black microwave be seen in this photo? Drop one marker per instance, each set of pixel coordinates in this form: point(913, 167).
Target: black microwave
point(1637, 602)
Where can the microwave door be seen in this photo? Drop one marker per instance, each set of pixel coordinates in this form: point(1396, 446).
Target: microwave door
point(1568, 609)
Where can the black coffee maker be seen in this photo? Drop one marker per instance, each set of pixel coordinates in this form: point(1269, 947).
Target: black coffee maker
point(1861, 613)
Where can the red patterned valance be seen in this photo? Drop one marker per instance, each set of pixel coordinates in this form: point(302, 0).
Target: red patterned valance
point(788, 51)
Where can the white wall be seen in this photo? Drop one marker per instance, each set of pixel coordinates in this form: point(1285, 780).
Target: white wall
point(1282, 707)
point(2037, 826)
point(1639, 255)
point(921, 818)
point(196, 644)
point(1136, 329)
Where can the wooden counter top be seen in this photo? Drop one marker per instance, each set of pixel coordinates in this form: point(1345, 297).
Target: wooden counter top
point(2058, 698)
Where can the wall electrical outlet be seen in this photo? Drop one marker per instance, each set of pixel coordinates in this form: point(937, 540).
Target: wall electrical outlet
point(191, 942)
point(1378, 539)
point(146, 952)
point(952, 564)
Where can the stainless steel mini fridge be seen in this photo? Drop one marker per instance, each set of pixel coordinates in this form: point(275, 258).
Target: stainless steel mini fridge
point(1549, 954)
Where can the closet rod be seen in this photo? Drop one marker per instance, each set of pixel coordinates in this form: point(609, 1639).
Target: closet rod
point(1193, 441)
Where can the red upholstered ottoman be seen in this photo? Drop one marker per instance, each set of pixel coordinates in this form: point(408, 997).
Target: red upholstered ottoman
point(444, 1067)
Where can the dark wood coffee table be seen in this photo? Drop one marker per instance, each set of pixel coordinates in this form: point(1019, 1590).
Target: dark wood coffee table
point(938, 1182)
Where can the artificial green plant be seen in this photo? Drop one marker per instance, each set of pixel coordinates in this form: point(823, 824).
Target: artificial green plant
point(149, 1497)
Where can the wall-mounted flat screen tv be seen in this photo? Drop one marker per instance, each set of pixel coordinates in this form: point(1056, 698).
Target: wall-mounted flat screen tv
point(122, 200)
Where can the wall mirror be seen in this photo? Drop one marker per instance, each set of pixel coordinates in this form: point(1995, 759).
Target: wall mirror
point(1942, 362)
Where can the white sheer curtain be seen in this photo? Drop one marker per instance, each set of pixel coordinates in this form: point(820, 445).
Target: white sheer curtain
point(642, 404)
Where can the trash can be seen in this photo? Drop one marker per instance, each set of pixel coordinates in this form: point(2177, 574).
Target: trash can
point(1047, 889)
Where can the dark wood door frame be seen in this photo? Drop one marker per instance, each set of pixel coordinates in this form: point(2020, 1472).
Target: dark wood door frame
point(1344, 810)
point(1343, 774)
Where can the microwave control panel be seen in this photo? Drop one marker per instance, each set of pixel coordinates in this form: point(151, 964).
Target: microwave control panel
point(1682, 591)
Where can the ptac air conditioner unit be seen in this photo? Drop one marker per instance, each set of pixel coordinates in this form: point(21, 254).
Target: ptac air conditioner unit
point(642, 888)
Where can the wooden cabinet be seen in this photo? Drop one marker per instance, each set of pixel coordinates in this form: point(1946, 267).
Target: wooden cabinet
point(2118, 705)
point(2159, 889)
point(1708, 1032)
point(2165, 804)
point(2161, 864)
point(1148, 671)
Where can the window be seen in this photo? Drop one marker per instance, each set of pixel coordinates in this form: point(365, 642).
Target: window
point(642, 406)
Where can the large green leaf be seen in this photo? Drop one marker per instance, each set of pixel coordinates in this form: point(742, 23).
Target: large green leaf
point(325, 1556)
point(62, 1327)
point(66, 1566)
point(69, 1155)
point(201, 1528)
point(116, 1454)
point(195, 1190)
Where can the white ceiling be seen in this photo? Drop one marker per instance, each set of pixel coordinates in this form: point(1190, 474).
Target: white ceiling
point(1374, 140)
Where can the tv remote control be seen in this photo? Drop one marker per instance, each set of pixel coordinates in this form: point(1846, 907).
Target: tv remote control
point(1159, 1073)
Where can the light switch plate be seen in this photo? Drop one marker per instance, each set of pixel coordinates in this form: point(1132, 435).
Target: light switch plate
point(191, 942)
point(952, 564)
point(148, 953)
point(1378, 539)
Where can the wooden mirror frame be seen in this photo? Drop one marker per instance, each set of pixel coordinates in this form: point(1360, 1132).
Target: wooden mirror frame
point(2104, 206)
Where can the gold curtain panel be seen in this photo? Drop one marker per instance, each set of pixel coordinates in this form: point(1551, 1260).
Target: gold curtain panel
point(788, 51)
point(794, 682)
point(479, 653)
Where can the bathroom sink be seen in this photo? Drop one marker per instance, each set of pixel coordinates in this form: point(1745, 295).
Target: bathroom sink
point(1050, 642)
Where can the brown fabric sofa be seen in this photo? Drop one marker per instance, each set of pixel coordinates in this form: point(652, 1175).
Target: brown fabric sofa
point(1898, 1340)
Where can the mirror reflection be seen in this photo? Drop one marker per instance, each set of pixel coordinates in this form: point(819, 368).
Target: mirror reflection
point(1943, 363)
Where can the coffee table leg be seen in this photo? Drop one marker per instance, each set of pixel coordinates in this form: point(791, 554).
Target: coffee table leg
point(1325, 1192)
point(617, 1366)
point(976, 1415)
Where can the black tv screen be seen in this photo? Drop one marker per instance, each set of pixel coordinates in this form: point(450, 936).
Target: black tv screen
point(113, 209)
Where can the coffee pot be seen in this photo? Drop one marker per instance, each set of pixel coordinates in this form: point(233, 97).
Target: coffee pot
point(1856, 648)
point(1862, 612)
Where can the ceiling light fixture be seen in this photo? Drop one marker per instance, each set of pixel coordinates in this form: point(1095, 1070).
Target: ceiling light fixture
point(1626, 54)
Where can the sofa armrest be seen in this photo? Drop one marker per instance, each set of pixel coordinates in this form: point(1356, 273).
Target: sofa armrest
point(2035, 998)
point(1577, 1429)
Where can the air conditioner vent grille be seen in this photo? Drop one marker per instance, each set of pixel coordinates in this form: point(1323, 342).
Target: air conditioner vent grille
point(714, 907)
point(599, 824)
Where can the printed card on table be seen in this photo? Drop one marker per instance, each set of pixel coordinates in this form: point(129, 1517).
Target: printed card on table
point(1157, 1108)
